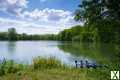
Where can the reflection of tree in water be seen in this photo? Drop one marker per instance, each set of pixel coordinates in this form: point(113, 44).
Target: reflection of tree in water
point(81, 49)
point(11, 46)
point(102, 52)
point(118, 50)
point(117, 54)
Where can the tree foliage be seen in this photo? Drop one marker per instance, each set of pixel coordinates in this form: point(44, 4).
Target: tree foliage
point(95, 11)
point(69, 34)
point(12, 35)
point(102, 19)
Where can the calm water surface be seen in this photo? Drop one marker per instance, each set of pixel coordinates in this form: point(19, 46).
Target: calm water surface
point(66, 52)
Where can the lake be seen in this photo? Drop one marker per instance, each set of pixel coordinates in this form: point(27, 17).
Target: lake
point(66, 52)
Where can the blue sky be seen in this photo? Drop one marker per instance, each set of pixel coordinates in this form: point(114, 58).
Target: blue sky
point(37, 16)
point(70, 5)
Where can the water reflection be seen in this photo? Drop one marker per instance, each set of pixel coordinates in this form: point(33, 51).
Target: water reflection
point(11, 47)
point(102, 53)
point(66, 52)
point(25, 51)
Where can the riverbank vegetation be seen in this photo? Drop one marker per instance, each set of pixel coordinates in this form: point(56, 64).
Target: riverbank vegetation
point(48, 69)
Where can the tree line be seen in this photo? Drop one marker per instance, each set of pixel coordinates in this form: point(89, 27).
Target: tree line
point(108, 33)
point(12, 35)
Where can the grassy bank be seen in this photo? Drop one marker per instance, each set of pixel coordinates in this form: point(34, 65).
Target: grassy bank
point(48, 69)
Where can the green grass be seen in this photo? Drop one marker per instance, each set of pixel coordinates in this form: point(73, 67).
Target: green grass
point(49, 69)
point(58, 74)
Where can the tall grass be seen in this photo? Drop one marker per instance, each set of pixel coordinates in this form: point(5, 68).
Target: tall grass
point(51, 69)
point(9, 66)
point(42, 63)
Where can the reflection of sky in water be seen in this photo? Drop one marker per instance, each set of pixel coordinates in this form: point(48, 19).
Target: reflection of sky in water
point(27, 50)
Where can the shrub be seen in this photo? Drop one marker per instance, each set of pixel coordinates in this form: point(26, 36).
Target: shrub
point(8, 66)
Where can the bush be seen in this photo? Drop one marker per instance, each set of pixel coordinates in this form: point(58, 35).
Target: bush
point(8, 66)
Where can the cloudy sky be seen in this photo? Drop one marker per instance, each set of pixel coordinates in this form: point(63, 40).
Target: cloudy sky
point(37, 16)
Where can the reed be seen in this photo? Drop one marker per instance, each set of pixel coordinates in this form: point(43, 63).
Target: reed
point(42, 63)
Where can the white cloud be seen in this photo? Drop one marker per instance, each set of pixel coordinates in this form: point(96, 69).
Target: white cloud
point(52, 16)
point(36, 21)
point(13, 6)
point(40, 21)
point(28, 27)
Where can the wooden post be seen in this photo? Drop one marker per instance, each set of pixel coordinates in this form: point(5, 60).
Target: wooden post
point(81, 64)
point(87, 64)
point(76, 63)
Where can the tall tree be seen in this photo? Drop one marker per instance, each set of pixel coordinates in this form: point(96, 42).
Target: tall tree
point(12, 34)
point(93, 11)
point(102, 16)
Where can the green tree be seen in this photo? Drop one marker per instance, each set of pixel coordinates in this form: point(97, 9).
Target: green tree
point(3, 36)
point(70, 34)
point(102, 16)
point(95, 11)
point(12, 34)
